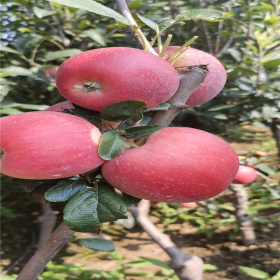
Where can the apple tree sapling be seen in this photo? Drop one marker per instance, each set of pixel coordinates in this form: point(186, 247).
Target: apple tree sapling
point(48, 145)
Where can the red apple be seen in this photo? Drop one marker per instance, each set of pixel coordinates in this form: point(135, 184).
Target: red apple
point(245, 175)
point(48, 145)
point(189, 205)
point(213, 83)
point(97, 78)
point(51, 72)
point(176, 164)
point(60, 106)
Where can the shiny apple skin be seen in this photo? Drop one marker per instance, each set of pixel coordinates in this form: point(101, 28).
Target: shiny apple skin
point(245, 175)
point(48, 145)
point(116, 74)
point(212, 84)
point(176, 165)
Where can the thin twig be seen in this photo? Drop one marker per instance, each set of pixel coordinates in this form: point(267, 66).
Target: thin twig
point(46, 253)
point(186, 266)
point(137, 33)
point(219, 37)
point(59, 28)
point(243, 219)
point(188, 83)
point(206, 30)
point(225, 47)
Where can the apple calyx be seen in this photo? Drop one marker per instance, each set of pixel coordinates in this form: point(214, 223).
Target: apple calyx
point(89, 86)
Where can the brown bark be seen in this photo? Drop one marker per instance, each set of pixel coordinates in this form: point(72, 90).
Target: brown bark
point(186, 266)
point(46, 253)
point(47, 220)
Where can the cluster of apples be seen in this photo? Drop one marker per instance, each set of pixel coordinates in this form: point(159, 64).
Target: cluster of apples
point(175, 164)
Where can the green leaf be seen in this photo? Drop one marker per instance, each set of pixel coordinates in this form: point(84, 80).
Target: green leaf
point(40, 13)
point(8, 277)
point(59, 54)
point(4, 90)
point(254, 272)
point(65, 189)
point(266, 169)
point(80, 213)
point(130, 200)
point(97, 35)
point(246, 70)
point(268, 7)
point(131, 121)
point(148, 22)
point(271, 64)
point(86, 114)
point(93, 7)
point(205, 14)
point(276, 276)
point(92, 206)
point(29, 43)
point(216, 115)
point(156, 262)
point(10, 50)
point(122, 111)
point(227, 207)
point(209, 267)
point(141, 131)
point(110, 205)
point(237, 55)
point(110, 145)
point(36, 107)
point(9, 111)
point(160, 107)
point(98, 244)
point(220, 107)
point(15, 71)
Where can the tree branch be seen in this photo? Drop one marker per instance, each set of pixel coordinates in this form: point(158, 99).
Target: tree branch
point(59, 28)
point(189, 81)
point(46, 253)
point(243, 219)
point(137, 33)
point(186, 266)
